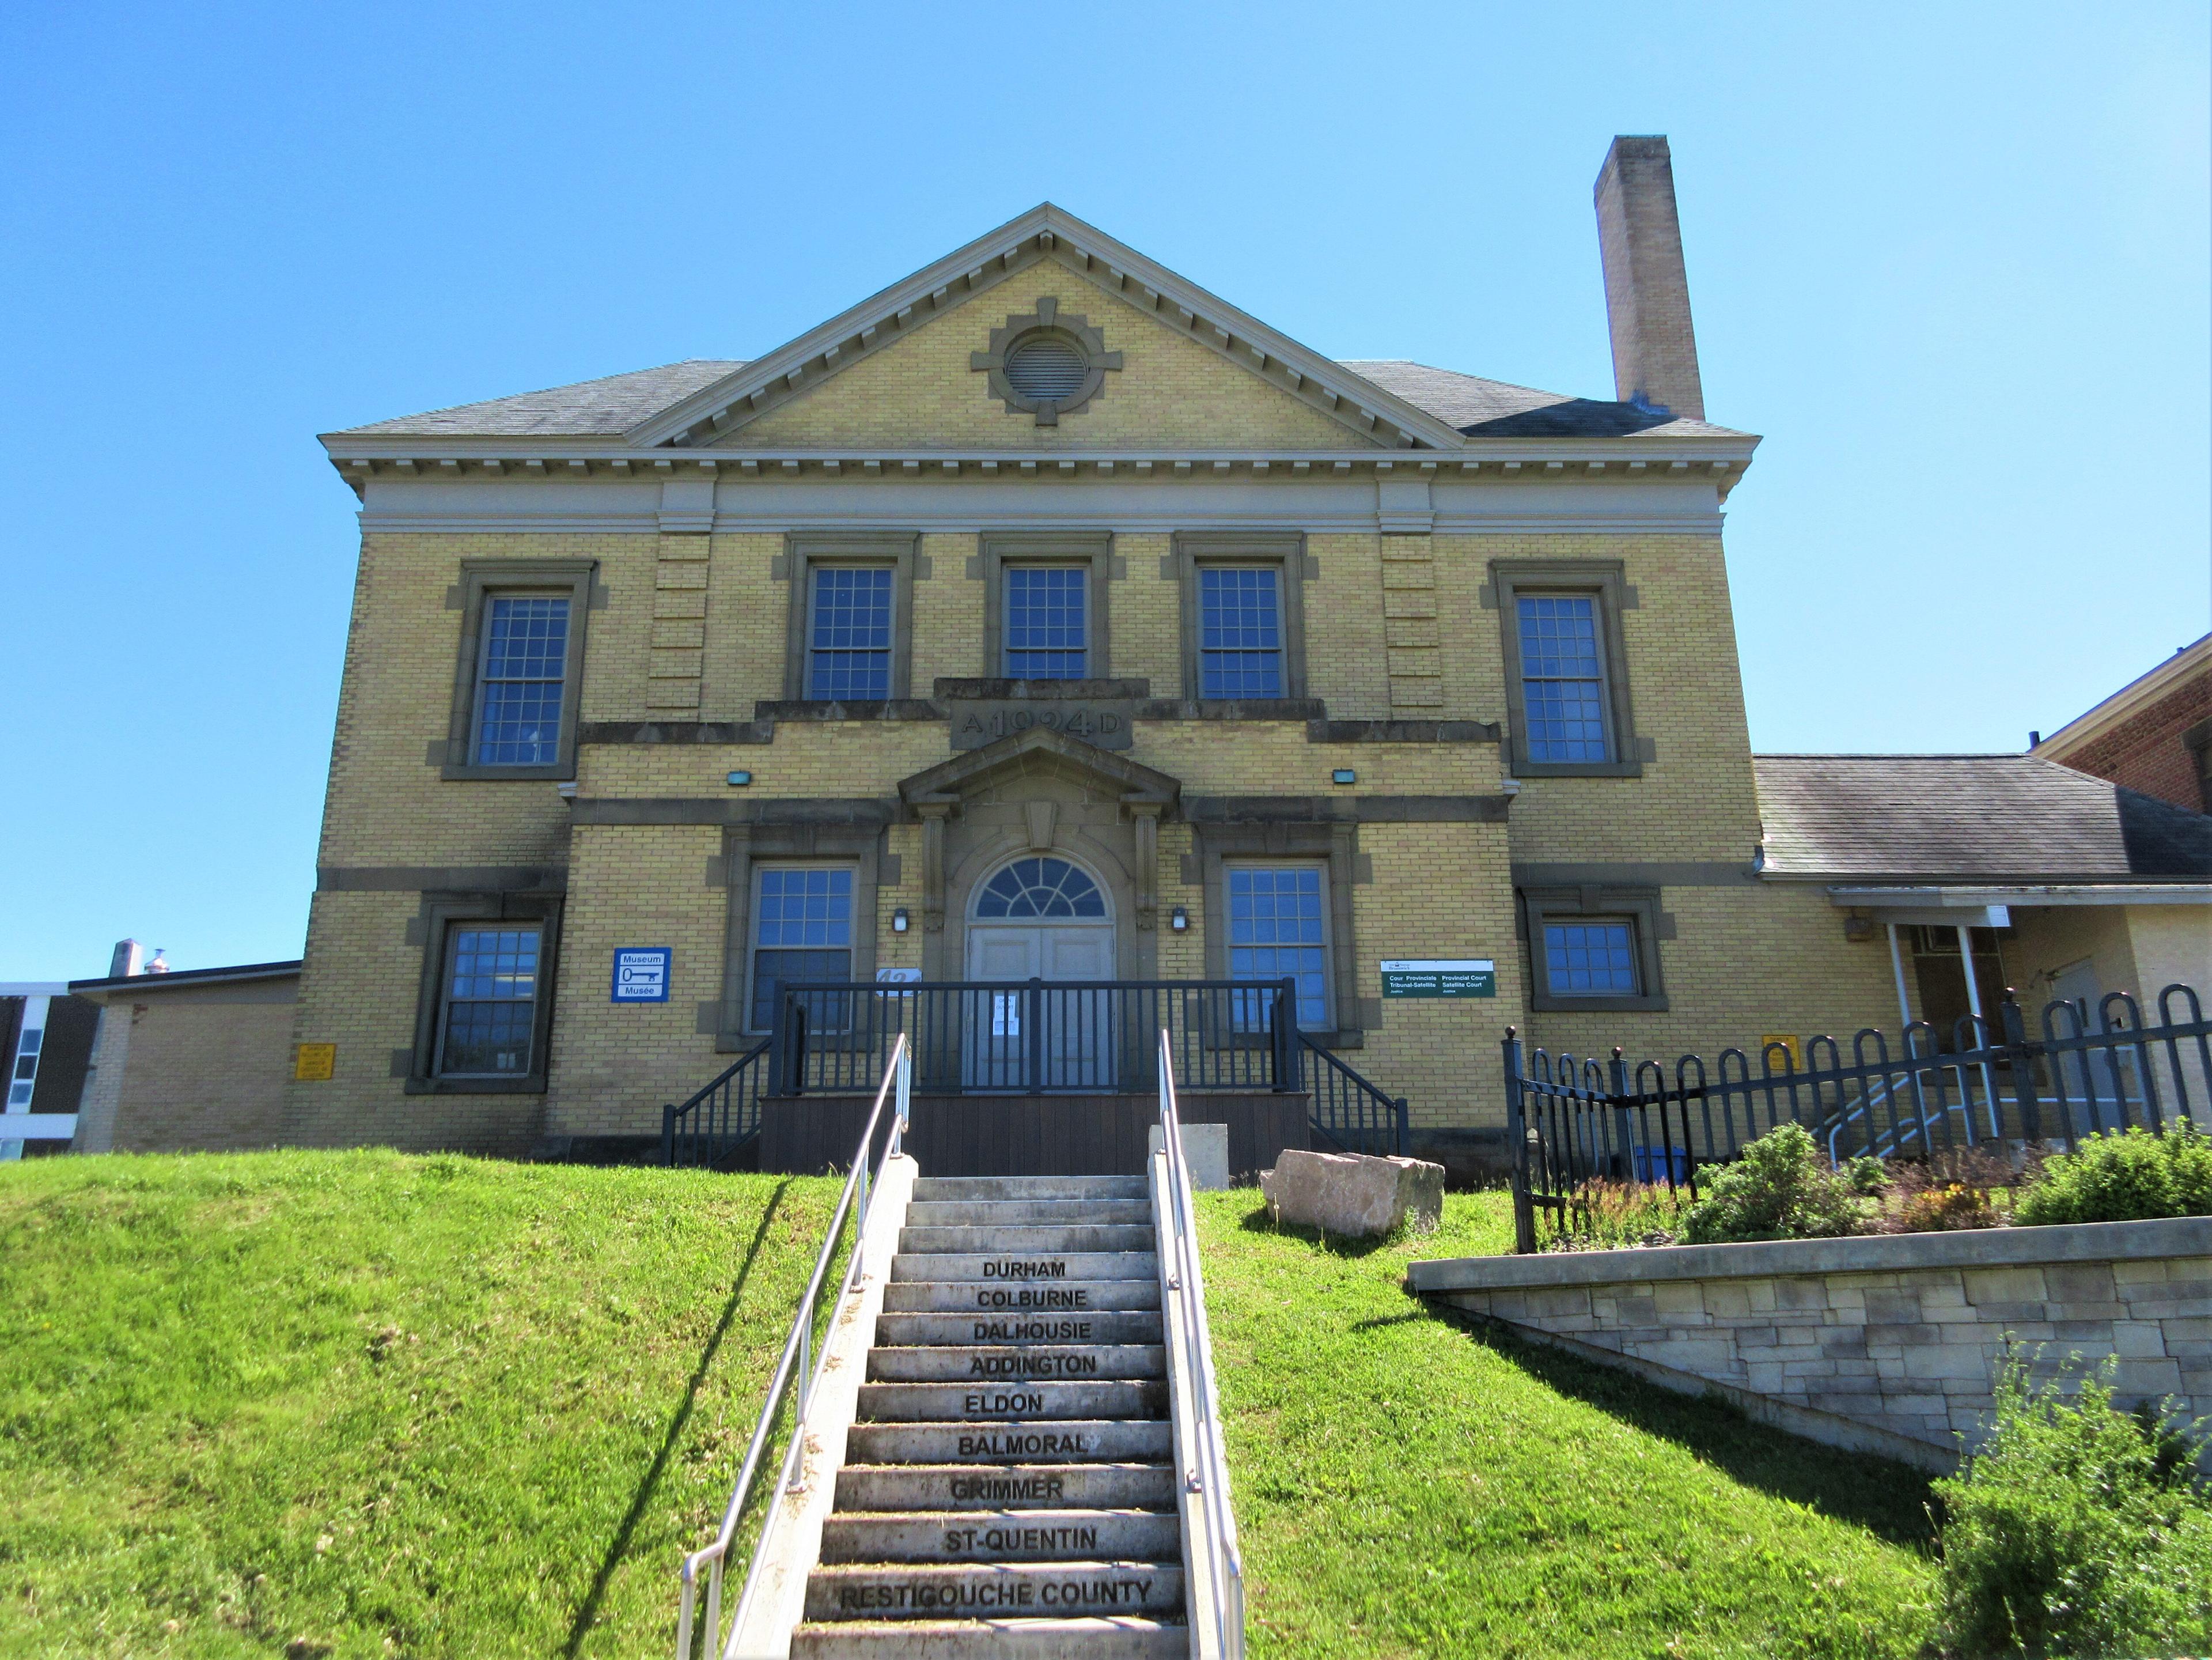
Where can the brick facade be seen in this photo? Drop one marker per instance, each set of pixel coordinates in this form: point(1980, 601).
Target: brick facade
point(1397, 547)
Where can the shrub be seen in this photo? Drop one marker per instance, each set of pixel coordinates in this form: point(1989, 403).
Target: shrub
point(1780, 1188)
point(1867, 1176)
point(1607, 1215)
point(2076, 1530)
point(2129, 1175)
point(1940, 1210)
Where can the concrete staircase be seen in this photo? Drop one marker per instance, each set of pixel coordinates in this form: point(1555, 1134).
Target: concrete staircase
point(1009, 1485)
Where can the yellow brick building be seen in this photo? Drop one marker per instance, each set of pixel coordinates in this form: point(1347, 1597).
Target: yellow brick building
point(1046, 616)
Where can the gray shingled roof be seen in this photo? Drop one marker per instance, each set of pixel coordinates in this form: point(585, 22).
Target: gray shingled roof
point(1968, 818)
point(603, 408)
point(607, 408)
point(1498, 409)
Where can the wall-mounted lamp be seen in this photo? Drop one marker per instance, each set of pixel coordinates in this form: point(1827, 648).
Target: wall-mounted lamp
point(1344, 776)
point(899, 920)
point(741, 778)
point(1178, 921)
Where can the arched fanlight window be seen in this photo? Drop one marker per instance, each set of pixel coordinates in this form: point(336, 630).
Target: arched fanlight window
point(1040, 887)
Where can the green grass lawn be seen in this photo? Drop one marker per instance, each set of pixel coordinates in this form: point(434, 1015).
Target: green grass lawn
point(362, 1405)
point(359, 1404)
point(1406, 1485)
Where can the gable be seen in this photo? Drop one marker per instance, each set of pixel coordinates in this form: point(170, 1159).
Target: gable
point(922, 391)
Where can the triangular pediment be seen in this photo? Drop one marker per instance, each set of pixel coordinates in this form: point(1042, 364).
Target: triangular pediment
point(1297, 397)
point(1039, 752)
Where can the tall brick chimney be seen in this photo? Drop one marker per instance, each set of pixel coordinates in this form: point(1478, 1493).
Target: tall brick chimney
point(1647, 294)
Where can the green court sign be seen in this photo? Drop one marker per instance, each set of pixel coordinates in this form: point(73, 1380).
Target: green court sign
point(1445, 976)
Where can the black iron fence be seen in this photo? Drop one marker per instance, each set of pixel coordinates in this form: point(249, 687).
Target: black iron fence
point(1571, 1122)
point(1036, 1037)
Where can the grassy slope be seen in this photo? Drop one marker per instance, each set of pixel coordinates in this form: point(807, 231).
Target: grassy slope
point(1409, 1486)
point(434, 1407)
point(382, 1404)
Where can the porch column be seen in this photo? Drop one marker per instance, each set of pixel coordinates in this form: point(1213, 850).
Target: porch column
point(933, 815)
point(1144, 818)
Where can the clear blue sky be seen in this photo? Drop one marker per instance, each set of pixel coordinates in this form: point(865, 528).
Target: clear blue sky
point(1951, 259)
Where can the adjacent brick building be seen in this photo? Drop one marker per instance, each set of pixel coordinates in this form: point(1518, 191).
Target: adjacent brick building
point(2153, 735)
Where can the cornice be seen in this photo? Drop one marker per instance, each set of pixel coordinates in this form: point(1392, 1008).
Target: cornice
point(1553, 460)
point(719, 412)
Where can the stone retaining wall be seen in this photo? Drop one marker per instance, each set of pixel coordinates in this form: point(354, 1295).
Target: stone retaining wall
point(1888, 1344)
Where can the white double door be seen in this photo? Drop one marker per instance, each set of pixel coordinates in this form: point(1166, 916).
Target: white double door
point(1018, 1039)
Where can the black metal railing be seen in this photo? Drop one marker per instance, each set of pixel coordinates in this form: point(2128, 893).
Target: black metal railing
point(720, 1118)
point(1570, 1121)
point(1350, 1113)
point(1037, 1036)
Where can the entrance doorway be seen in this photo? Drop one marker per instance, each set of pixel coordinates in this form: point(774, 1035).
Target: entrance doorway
point(1040, 918)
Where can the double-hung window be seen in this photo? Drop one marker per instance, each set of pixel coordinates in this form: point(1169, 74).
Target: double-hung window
point(521, 680)
point(487, 1009)
point(1568, 710)
point(1047, 622)
point(802, 930)
point(849, 640)
point(1563, 691)
point(520, 668)
point(1239, 629)
point(1243, 614)
point(1278, 930)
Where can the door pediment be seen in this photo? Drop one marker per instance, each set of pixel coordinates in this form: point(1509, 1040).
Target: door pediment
point(1040, 755)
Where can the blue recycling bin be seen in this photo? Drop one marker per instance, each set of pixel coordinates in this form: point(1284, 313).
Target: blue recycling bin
point(1658, 1163)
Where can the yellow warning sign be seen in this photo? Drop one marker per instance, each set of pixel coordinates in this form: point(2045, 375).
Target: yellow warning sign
point(314, 1063)
point(1787, 1041)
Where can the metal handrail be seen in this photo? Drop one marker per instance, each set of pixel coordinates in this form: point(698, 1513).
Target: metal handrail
point(690, 1119)
point(1334, 1077)
point(898, 1088)
point(1215, 1552)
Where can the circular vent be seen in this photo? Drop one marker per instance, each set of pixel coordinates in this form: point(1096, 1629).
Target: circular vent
point(1050, 369)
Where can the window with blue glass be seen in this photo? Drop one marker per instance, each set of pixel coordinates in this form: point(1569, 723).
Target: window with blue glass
point(849, 641)
point(1047, 622)
point(1562, 677)
point(802, 930)
point(1595, 957)
point(1040, 887)
point(1277, 931)
point(1240, 622)
point(490, 1018)
point(520, 681)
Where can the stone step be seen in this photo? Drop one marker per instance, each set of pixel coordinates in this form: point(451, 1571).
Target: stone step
point(1005, 1486)
point(928, 1190)
point(1045, 1296)
point(1072, 1441)
point(994, 1590)
point(1017, 1364)
point(976, 1403)
point(1005, 1213)
point(1025, 1240)
point(1011, 1266)
point(1017, 1326)
point(1029, 1536)
point(1124, 1637)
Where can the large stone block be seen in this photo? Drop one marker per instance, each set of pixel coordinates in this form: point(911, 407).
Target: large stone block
point(1355, 1197)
